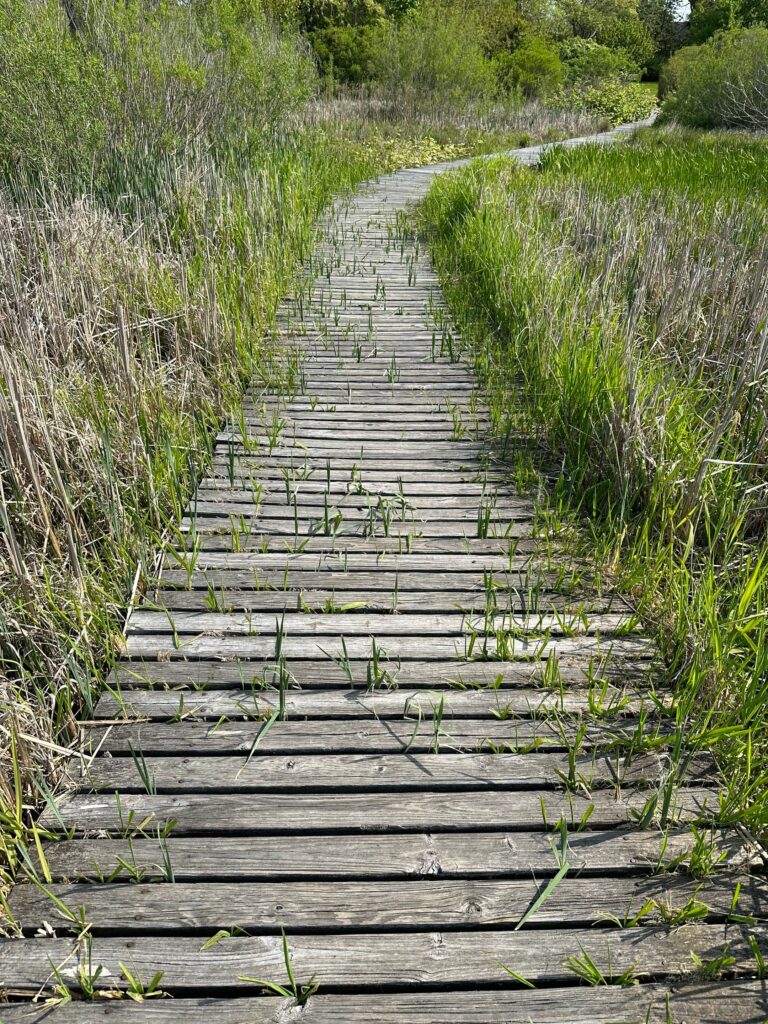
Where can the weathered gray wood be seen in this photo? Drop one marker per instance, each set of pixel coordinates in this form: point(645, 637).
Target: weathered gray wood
point(346, 624)
point(338, 560)
point(222, 813)
point(362, 961)
point(694, 1002)
point(523, 582)
point(360, 601)
point(200, 646)
point(399, 543)
point(259, 701)
point(356, 855)
point(325, 673)
point(373, 771)
point(355, 736)
point(415, 904)
point(356, 526)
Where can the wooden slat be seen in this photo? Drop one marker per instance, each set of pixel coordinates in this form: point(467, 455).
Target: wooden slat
point(446, 624)
point(373, 961)
point(258, 702)
point(358, 736)
point(429, 903)
point(222, 675)
point(376, 771)
point(202, 646)
point(356, 855)
point(222, 813)
point(360, 601)
point(696, 1002)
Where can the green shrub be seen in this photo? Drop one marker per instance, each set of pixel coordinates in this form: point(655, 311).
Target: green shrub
point(535, 68)
point(612, 23)
point(435, 53)
point(346, 53)
point(708, 17)
point(617, 102)
point(53, 96)
point(722, 83)
point(588, 62)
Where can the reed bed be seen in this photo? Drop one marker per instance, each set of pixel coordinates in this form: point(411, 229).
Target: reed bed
point(380, 117)
point(617, 303)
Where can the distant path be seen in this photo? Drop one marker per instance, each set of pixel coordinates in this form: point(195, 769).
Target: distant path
point(358, 712)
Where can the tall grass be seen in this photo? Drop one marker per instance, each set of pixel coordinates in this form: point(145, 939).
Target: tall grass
point(381, 116)
point(617, 302)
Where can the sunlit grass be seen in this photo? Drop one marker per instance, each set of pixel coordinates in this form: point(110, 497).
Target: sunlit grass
point(617, 303)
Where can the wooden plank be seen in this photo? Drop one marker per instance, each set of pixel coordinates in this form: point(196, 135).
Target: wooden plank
point(144, 620)
point(356, 855)
point(348, 772)
point(354, 962)
point(528, 583)
point(511, 647)
point(437, 509)
point(696, 1002)
point(355, 601)
point(356, 736)
point(339, 561)
point(222, 813)
point(259, 701)
point(418, 905)
point(399, 544)
point(288, 528)
point(326, 673)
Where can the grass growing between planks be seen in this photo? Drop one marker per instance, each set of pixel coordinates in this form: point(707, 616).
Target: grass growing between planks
point(616, 304)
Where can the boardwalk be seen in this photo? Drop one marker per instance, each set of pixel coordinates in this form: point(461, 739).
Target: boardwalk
point(367, 706)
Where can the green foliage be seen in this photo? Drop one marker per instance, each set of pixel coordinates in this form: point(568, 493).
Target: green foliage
point(587, 62)
point(435, 53)
point(346, 53)
point(157, 77)
point(709, 17)
point(54, 97)
point(612, 23)
point(668, 34)
point(320, 14)
point(534, 67)
point(722, 83)
point(619, 103)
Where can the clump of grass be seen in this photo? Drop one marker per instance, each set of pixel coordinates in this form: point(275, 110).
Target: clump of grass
point(617, 303)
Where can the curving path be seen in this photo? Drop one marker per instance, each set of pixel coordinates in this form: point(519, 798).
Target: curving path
point(366, 705)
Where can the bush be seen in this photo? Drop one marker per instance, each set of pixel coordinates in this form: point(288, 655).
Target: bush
point(346, 53)
point(215, 69)
point(614, 24)
point(618, 103)
point(53, 97)
point(587, 62)
point(535, 68)
point(722, 83)
point(138, 76)
point(708, 17)
point(432, 53)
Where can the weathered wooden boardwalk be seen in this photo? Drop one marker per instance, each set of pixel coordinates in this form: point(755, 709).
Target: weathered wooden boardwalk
point(366, 705)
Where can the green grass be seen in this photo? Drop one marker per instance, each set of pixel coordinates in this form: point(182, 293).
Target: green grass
point(616, 304)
